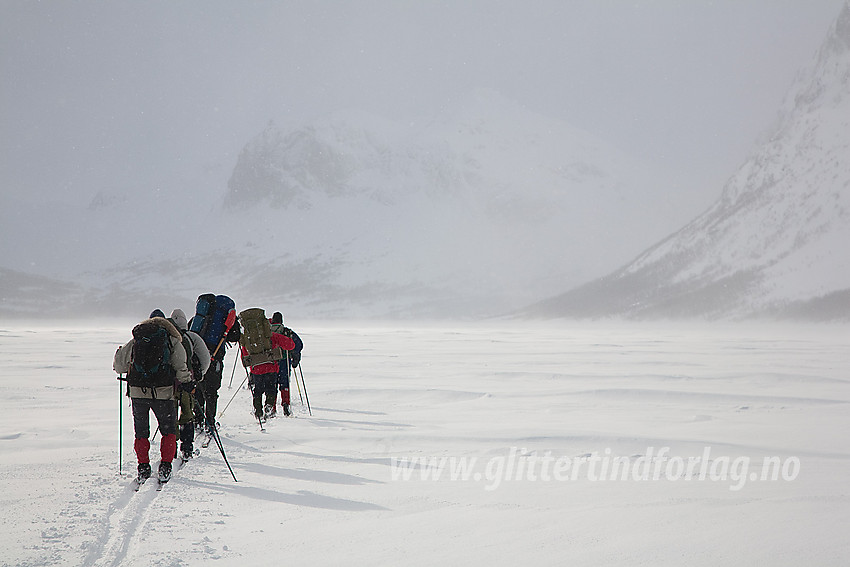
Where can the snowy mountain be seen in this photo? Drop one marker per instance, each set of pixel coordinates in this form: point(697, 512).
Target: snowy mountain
point(469, 213)
point(775, 242)
point(482, 209)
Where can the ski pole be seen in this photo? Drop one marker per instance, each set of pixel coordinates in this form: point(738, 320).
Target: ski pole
point(214, 429)
point(232, 372)
point(260, 421)
point(228, 324)
point(120, 424)
point(297, 385)
point(232, 398)
point(305, 388)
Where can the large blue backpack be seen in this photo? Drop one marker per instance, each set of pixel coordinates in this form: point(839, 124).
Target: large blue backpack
point(203, 313)
point(210, 318)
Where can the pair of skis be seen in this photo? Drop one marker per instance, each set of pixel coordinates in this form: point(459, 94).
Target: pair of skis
point(262, 420)
point(140, 480)
point(181, 461)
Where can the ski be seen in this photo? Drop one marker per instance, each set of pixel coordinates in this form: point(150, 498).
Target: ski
point(140, 477)
point(208, 432)
point(161, 479)
point(138, 482)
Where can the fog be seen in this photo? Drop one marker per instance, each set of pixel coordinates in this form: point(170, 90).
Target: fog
point(158, 95)
point(417, 159)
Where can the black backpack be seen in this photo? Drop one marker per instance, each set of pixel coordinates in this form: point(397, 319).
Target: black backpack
point(150, 361)
point(193, 363)
point(192, 360)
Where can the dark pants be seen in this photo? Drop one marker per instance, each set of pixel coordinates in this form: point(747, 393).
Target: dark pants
point(166, 416)
point(186, 422)
point(264, 384)
point(206, 394)
point(283, 384)
point(283, 377)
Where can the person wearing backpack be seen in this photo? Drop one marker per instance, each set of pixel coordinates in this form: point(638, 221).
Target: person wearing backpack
point(154, 361)
point(293, 357)
point(264, 377)
point(198, 357)
point(206, 394)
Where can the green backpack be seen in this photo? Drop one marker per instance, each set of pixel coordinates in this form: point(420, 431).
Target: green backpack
point(257, 338)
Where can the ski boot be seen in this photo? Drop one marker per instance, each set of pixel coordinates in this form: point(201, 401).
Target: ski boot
point(144, 472)
point(164, 472)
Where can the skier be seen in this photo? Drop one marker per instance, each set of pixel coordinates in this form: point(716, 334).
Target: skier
point(206, 394)
point(293, 357)
point(153, 360)
point(198, 357)
point(264, 378)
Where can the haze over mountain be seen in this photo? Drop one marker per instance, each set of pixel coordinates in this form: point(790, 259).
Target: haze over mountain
point(390, 183)
point(775, 243)
point(482, 209)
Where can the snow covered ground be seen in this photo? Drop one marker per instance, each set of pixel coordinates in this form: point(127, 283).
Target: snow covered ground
point(591, 444)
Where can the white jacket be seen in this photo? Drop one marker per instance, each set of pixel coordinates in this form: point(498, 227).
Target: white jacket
point(198, 345)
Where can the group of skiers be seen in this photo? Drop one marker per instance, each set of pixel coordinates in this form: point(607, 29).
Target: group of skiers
point(171, 369)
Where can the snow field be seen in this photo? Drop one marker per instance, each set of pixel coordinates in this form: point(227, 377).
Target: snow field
point(326, 489)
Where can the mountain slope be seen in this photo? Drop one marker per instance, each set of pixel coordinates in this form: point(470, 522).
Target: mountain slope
point(775, 242)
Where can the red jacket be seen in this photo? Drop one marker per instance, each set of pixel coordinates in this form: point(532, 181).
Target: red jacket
point(278, 340)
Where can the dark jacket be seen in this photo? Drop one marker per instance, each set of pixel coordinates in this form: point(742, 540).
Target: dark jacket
point(121, 363)
point(294, 354)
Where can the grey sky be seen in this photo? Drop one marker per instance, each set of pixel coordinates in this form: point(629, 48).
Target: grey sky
point(104, 95)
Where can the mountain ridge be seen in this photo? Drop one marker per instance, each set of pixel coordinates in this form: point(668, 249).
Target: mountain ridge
point(772, 244)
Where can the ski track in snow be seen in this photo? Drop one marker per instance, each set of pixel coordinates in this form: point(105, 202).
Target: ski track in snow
point(320, 486)
point(127, 516)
